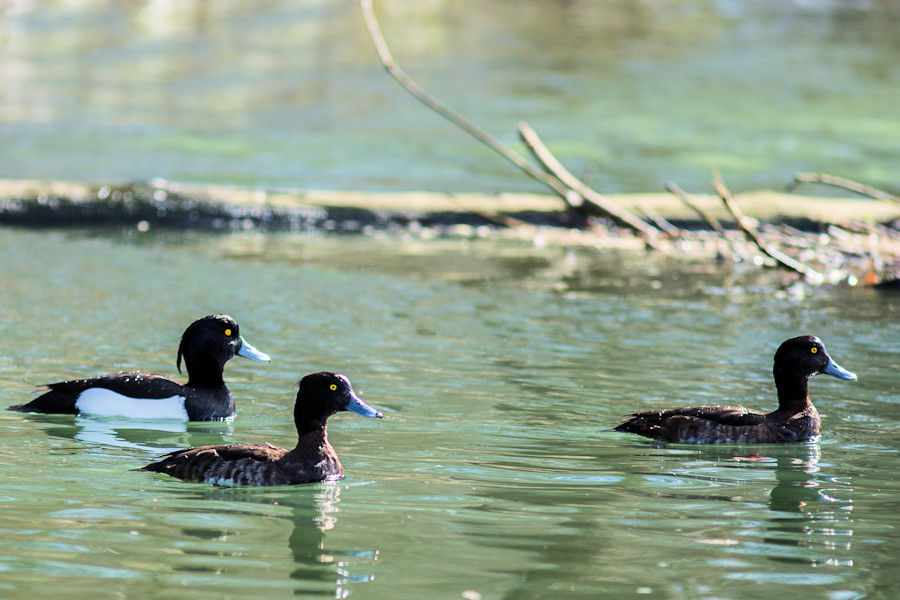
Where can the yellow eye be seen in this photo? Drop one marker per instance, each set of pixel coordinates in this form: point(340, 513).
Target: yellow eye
point(228, 332)
point(813, 350)
point(333, 387)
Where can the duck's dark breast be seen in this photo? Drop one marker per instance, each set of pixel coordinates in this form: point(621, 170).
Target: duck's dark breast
point(208, 404)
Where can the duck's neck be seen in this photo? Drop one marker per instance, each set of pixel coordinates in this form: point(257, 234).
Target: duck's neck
point(314, 439)
point(205, 372)
point(793, 391)
point(313, 447)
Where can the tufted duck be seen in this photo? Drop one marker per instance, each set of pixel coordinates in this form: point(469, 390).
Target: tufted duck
point(796, 419)
point(206, 345)
point(319, 396)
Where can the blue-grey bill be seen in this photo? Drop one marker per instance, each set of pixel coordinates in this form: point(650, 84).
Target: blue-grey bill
point(361, 408)
point(835, 370)
point(248, 351)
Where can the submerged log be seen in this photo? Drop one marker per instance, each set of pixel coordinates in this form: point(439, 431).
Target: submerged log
point(869, 251)
point(160, 200)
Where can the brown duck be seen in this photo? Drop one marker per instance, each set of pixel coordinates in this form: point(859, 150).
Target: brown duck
point(795, 420)
point(319, 396)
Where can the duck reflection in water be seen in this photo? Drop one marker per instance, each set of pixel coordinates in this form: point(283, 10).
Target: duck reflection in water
point(153, 436)
point(797, 485)
point(313, 561)
point(319, 570)
point(811, 510)
point(809, 518)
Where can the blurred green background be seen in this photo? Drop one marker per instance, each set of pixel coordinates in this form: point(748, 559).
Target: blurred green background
point(629, 94)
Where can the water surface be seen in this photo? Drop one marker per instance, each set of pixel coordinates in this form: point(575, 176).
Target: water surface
point(498, 367)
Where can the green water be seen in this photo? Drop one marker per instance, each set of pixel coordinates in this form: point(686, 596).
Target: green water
point(628, 93)
point(498, 367)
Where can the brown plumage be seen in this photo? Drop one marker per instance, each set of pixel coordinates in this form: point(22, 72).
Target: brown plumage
point(319, 396)
point(795, 420)
point(248, 464)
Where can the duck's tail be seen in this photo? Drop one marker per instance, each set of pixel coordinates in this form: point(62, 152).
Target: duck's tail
point(50, 402)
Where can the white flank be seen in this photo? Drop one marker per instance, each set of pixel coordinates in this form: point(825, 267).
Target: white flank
point(100, 401)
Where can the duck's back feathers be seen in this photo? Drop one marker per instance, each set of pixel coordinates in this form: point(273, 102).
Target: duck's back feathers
point(243, 464)
point(723, 424)
point(63, 396)
point(701, 424)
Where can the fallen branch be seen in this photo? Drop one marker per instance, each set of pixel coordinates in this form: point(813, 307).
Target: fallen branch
point(750, 231)
point(384, 55)
point(592, 200)
point(576, 196)
point(847, 184)
point(709, 218)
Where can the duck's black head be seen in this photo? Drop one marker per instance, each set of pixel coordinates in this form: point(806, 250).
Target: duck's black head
point(321, 395)
point(805, 356)
point(208, 343)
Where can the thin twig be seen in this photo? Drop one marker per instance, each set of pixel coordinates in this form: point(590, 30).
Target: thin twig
point(682, 195)
point(750, 231)
point(800, 239)
point(384, 55)
point(660, 221)
point(865, 227)
point(574, 197)
point(493, 217)
point(847, 184)
point(709, 218)
point(592, 200)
